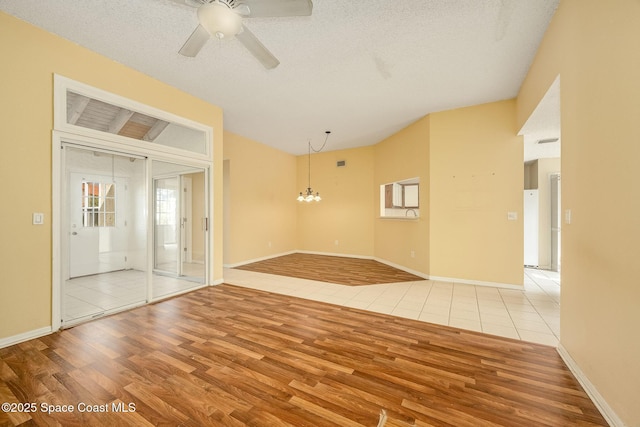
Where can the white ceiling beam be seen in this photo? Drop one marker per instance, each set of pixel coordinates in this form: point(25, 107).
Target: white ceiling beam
point(77, 108)
point(120, 120)
point(155, 130)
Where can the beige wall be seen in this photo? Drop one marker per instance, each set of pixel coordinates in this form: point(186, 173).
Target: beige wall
point(26, 108)
point(593, 46)
point(474, 239)
point(261, 213)
point(476, 179)
point(346, 213)
point(476, 242)
point(404, 155)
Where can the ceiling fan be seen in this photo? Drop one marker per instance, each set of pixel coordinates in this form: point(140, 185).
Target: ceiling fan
point(223, 19)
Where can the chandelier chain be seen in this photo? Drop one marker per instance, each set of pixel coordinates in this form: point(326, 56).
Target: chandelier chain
point(323, 144)
point(308, 194)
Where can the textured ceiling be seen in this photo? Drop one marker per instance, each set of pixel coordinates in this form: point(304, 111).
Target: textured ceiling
point(363, 69)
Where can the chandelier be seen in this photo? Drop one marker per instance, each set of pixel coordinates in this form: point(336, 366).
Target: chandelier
point(308, 195)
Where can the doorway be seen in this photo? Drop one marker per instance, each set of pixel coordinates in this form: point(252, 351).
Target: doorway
point(110, 261)
point(105, 229)
point(179, 226)
point(98, 235)
point(542, 162)
point(111, 154)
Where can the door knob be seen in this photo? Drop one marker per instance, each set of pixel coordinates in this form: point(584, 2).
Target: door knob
point(75, 233)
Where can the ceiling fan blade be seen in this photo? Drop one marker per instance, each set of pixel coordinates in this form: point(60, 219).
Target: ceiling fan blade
point(195, 42)
point(190, 3)
point(257, 49)
point(274, 8)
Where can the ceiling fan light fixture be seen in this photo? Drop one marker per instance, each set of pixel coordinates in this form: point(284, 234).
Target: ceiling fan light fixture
point(219, 20)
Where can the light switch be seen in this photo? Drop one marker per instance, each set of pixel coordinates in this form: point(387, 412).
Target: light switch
point(38, 218)
point(567, 216)
point(512, 216)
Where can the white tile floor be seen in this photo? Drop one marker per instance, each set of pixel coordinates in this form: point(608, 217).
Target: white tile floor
point(91, 296)
point(531, 314)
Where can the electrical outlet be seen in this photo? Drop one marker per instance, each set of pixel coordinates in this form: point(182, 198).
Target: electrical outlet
point(413, 254)
point(269, 244)
point(336, 242)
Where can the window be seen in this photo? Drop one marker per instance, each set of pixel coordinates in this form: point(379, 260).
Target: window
point(166, 199)
point(98, 204)
point(84, 110)
point(400, 199)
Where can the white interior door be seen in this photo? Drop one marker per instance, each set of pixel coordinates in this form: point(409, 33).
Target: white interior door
point(180, 220)
point(174, 224)
point(96, 225)
point(105, 233)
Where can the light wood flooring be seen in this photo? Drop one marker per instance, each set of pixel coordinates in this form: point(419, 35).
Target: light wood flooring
point(232, 356)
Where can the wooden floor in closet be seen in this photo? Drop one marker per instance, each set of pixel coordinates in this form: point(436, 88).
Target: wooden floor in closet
point(231, 356)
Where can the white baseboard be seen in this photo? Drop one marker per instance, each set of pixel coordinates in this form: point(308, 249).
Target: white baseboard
point(249, 261)
point(217, 282)
point(403, 268)
point(335, 254)
point(380, 260)
point(477, 282)
point(609, 415)
point(25, 336)
point(389, 263)
point(383, 261)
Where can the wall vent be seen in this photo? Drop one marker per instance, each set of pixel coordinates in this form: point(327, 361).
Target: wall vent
point(547, 141)
point(341, 163)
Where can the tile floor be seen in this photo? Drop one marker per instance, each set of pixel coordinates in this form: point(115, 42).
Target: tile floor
point(531, 314)
point(91, 296)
